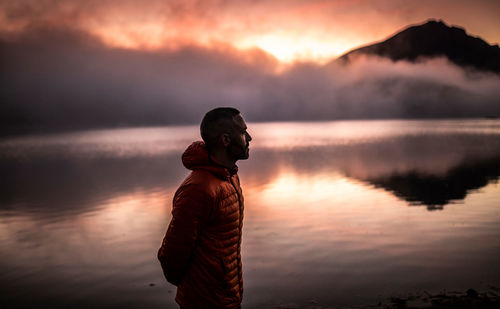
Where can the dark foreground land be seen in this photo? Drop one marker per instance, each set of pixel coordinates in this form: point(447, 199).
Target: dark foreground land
point(470, 299)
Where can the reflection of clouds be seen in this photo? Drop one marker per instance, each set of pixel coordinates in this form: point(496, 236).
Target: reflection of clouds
point(65, 184)
point(427, 155)
point(76, 170)
point(309, 201)
point(427, 163)
point(307, 222)
point(62, 258)
point(121, 143)
point(337, 232)
point(94, 230)
point(292, 188)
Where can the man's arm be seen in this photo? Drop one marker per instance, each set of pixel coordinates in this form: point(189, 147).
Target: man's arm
point(190, 211)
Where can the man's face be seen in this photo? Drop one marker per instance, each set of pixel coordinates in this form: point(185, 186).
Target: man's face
point(238, 148)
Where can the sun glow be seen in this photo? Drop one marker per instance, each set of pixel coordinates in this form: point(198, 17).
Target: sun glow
point(285, 47)
point(288, 48)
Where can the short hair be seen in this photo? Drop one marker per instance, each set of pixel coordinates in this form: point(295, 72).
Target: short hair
point(215, 123)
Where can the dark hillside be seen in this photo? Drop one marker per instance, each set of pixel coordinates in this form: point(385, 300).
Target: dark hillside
point(434, 39)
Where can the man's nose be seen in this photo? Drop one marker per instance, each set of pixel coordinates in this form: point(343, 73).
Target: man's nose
point(249, 138)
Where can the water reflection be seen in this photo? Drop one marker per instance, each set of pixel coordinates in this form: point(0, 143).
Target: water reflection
point(430, 170)
point(97, 259)
point(435, 191)
point(421, 163)
point(418, 169)
point(325, 212)
point(70, 185)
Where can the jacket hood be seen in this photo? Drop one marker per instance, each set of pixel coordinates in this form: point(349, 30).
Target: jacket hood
point(196, 156)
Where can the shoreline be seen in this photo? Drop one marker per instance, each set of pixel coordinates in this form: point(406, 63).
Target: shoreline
point(469, 299)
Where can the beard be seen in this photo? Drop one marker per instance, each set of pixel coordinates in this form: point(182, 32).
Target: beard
point(238, 151)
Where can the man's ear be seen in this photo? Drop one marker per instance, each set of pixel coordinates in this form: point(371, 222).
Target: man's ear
point(226, 139)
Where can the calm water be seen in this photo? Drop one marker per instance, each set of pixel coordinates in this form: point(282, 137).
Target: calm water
point(337, 213)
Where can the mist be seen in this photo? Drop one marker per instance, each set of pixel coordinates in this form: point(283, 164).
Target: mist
point(55, 78)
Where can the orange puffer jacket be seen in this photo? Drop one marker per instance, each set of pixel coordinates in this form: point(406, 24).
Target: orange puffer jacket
point(200, 252)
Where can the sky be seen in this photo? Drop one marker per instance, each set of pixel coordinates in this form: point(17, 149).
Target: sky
point(291, 30)
point(81, 63)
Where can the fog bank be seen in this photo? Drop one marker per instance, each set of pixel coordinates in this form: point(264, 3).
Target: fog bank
point(55, 78)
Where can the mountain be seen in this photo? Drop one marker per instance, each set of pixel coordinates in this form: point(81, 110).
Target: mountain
point(434, 39)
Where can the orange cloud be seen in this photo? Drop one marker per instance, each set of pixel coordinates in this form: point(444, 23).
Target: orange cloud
point(290, 30)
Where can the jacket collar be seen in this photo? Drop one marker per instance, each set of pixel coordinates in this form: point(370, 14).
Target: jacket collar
point(196, 156)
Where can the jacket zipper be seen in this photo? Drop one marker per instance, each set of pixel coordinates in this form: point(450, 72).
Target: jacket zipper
point(239, 229)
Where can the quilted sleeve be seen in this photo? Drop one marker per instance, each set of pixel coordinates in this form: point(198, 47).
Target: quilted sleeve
point(190, 211)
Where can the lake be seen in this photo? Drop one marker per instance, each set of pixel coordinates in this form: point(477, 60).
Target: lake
point(336, 213)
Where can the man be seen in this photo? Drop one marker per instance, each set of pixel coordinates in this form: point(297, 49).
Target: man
point(200, 253)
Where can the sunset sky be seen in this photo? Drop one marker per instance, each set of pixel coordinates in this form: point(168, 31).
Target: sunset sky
point(303, 30)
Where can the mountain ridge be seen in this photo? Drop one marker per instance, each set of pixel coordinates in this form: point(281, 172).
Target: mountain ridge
point(434, 38)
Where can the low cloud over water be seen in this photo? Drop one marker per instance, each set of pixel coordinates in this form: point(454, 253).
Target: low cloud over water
point(55, 77)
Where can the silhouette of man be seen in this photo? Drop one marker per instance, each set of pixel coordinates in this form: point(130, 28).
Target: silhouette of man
point(200, 252)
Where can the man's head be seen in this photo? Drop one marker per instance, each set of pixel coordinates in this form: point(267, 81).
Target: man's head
point(223, 129)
